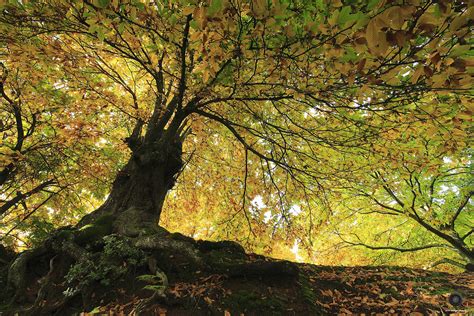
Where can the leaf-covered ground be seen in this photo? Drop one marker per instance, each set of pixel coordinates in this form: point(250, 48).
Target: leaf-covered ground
point(316, 290)
point(231, 282)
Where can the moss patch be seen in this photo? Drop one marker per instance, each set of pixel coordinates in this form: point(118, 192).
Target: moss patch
point(246, 300)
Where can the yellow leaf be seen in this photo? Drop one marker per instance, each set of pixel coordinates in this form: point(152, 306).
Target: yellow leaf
point(460, 50)
point(259, 7)
point(394, 17)
point(195, 36)
point(188, 10)
point(154, 59)
point(376, 40)
point(205, 75)
point(457, 23)
point(438, 80)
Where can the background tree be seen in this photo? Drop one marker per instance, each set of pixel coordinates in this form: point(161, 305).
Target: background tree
point(438, 202)
point(421, 199)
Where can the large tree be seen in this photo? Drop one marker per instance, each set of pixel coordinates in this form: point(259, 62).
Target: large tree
point(283, 78)
point(304, 88)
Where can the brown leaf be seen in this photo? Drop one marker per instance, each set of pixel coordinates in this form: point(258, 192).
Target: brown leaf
point(400, 38)
point(428, 71)
point(416, 75)
point(393, 302)
point(394, 17)
point(344, 311)
point(361, 65)
point(409, 289)
point(327, 292)
point(162, 311)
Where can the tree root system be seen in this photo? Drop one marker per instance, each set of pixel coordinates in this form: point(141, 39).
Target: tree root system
point(170, 273)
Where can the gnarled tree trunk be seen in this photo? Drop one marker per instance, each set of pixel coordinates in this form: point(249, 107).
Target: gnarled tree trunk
point(132, 209)
point(140, 188)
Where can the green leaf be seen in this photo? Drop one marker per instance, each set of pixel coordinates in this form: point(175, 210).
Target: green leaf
point(460, 50)
point(96, 310)
point(100, 34)
point(350, 55)
point(344, 16)
point(102, 3)
point(150, 278)
point(140, 6)
point(160, 289)
point(372, 4)
point(320, 5)
point(194, 25)
point(214, 8)
point(121, 27)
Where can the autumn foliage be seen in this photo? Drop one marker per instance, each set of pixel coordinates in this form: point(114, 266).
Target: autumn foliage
point(331, 132)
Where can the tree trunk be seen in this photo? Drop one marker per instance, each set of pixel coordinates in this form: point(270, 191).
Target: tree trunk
point(140, 188)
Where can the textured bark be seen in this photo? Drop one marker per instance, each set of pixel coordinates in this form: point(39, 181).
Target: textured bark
point(140, 188)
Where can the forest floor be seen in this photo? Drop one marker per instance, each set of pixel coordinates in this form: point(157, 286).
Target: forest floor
point(317, 290)
point(247, 284)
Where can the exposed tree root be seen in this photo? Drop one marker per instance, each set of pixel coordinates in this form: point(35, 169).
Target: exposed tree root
point(61, 244)
point(41, 305)
point(47, 290)
point(157, 242)
point(17, 273)
point(45, 283)
point(144, 304)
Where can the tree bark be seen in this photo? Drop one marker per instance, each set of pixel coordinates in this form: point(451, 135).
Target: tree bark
point(140, 188)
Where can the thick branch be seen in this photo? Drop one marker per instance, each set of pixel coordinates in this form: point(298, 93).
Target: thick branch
point(392, 248)
point(456, 243)
point(20, 137)
point(134, 140)
point(184, 47)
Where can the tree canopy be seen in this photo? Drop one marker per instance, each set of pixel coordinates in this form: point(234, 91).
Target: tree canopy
point(314, 124)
